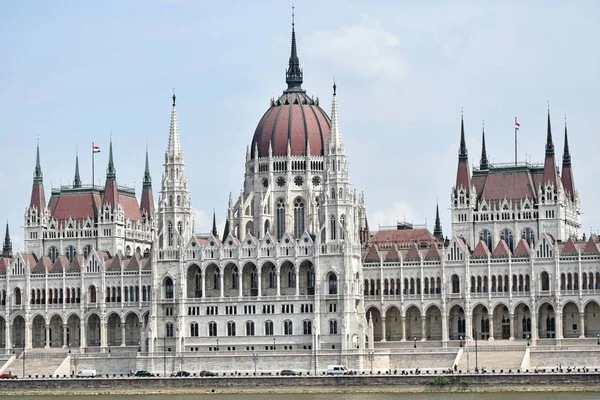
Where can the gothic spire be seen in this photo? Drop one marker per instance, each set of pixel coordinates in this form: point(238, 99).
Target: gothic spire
point(7, 247)
point(484, 161)
point(463, 153)
point(463, 173)
point(336, 132)
point(38, 198)
point(566, 153)
point(549, 143)
point(567, 172)
point(111, 172)
point(293, 75)
point(437, 230)
point(174, 147)
point(147, 177)
point(38, 177)
point(214, 226)
point(77, 179)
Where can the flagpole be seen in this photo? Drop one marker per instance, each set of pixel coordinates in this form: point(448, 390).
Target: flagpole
point(515, 141)
point(92, 165)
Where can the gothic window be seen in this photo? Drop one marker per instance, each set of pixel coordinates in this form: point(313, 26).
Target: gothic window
point(265, 182)
point(92, 292)
point(332, 194)
point(269, 328)
point(231, 328)
point(212, 329)
point(217, 281)
point(280, 218)
point(53, 253)
point(288, 328)
point(170, 201)
point(316, 181)
point(342, 227)
point(179, 228)
point(333, 327)
point(170, 233)
point(307, 325)
point(280, 181)
point(507, 236)
point(332, 227)
point(87, 250)
point(169, 328)
point(178, 201)
point(529, 236)
point(455, 284)
point(267, 227)
point(298, 217)
point(332, 280)
point(272, 278)
point(128, 251)
point(71, 253)
point(486, 236)
point(341, 196)
point(168, 288)
point(194, 329)
point(298, 181)
point(235, 279)
point(310, 277)
point(249, 328)
point(292, 277)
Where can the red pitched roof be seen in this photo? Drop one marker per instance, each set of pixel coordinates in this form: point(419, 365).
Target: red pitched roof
point(75, 266)
point(413, 253)
point(134, 263)
point(3, 263)
point(402, 237)
point(43, 265)
point(77, 205)
point(501, 249)
point(130, 206)
point(111, 193)
point(147, 263)
point(569, 247)
point(38, 197)
point(522, 249)
point(500, 184)
point(550, 171)
point(372, 255)
point(568, 181)
point(463, 176)
point(61, 264)
point(481, 250)
point(433, 253)
point(591, 247)
point(392, 255)
point(115, 263)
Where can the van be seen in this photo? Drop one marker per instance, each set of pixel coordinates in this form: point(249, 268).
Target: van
point(86, 373)
point(336, 370)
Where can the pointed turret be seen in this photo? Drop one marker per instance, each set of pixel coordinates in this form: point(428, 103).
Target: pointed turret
point(147, 201)
point(174, 147)
point(463, 174)
point(111, 194)
point(567, 172)
point(226, 229)
point(483, 164)
point(336, 146)
point(38, 198)
point(7, 247)
point(77, 179)
point(293, 75)
point(549, 162)
point(214, 227)
point(437, 230)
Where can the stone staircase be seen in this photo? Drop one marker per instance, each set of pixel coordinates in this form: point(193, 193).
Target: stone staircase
point(491, 360)
point(37, 362)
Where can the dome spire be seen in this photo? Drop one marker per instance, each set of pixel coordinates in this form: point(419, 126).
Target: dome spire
point(293, 75)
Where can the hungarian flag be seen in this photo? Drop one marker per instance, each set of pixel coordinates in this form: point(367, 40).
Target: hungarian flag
point(96, 149)
point(517, 125)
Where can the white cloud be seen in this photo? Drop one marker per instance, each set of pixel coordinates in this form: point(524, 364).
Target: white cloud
point(365, 49)
point(399, 211)
point(202, 220)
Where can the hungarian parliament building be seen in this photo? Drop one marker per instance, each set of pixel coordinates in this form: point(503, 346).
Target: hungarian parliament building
point(295, 268)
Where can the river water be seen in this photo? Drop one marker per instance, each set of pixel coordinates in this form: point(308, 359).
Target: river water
point(341, 396)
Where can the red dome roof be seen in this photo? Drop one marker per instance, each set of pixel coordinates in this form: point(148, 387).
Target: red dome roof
point(294, 116)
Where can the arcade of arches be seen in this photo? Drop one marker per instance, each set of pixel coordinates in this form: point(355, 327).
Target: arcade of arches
point(497, 323)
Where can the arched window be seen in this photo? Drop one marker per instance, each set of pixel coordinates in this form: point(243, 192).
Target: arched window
point(194, 332)
point(87, 250)
point(178, 200)
point(332, 280)
point(235, 279)
point(70, 253)
point(292, 277)
point(92, 291)
point(333, 191)
point(168, 288)
point(333, 327)
point(545, 281)
point(269, 328)
point(288, 328)
point(53, 253)
point(249, 328)
point(170, 233)
point(486, 236)
point(455, 284)
point(169, 329)
point(298, 217)
point(179, 228)
point(332, 227)
point(212, 329)
point(272, 278)
point(342, 227)
point(529, 236)
point(307, 325)
point(280, 218)
point(231, 328)
point(507, 236)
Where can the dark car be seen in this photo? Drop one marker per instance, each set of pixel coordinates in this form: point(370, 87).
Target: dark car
point(180, 373)
point(288, 372)
point(207, 373)
point(7, 376)
point(142, 373)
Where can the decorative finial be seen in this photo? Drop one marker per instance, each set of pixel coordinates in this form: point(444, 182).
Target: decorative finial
point(292, 16)
point(174, 97)
point(334, 86)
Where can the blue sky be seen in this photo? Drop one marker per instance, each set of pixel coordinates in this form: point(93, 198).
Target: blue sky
point(72, 71)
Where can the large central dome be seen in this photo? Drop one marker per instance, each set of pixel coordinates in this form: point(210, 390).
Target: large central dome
point(293, 117)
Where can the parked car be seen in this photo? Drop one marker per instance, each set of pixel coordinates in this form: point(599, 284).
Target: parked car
point(207, 373)
point(7, 376)
point(86, 373)
point(180, 373)
point(142, 373)
point(336, 370)
point(288, 372)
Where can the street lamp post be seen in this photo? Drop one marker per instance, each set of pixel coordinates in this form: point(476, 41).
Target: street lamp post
point(460, 340)
point(415, 343)
point(217, 348)
point(274, 344)
point(528, 340)
point(109, 348)
point(467, 349)
point(164, 356)
point(476, 364)
point(371, 358)
point(255, 360)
